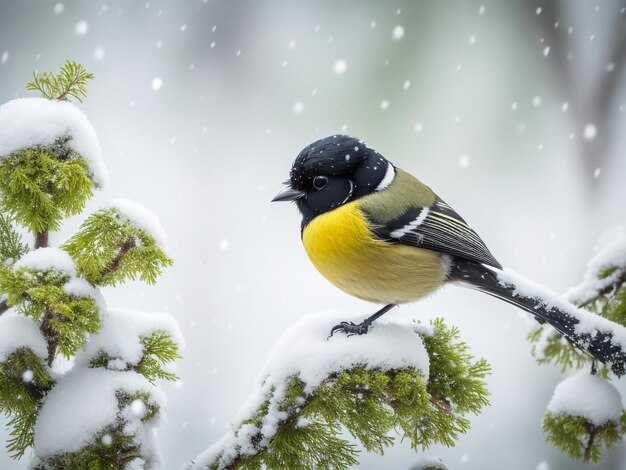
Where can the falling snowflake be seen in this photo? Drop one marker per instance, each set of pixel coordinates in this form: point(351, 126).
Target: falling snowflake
point(157, 83)
point(397, 33)
point(340, 66)
point(590, 131)
point(81, 28)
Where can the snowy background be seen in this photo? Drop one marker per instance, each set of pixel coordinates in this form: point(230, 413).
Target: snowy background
point(201, 107)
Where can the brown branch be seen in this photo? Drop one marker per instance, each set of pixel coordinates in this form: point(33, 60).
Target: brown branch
point(593, 431)
point(51, 336)
point(41, 239)
point(112, 267)
point(4, 306)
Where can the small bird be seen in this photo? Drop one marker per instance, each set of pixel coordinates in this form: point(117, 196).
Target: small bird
point(381, 235)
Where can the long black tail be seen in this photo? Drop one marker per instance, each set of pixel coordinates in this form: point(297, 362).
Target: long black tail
point(600, 344)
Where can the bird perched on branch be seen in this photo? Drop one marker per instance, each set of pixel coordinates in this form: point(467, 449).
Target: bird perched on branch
point(381, 235)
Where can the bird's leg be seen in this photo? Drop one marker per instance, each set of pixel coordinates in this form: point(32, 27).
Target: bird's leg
point(362, 328)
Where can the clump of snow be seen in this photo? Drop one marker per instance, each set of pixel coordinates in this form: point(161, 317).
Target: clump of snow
point(611, 253)
point(427, 462)
point(588, 322)
point(48, 259)
point(142, 218)
point(79, 287)
point(120, 334)
point(306, 352)
point(17, 332)
point(83, 404)
point(39, 122)
point(588, 396)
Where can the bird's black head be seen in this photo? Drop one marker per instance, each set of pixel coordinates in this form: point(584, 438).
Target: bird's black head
point(334, 171)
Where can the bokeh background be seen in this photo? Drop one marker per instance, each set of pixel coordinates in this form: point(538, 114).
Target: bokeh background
point(512, 111)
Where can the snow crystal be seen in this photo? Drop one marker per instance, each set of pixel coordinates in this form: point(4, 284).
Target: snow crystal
point(5, 57)
point(565, 107)
point(588, 396)
point(612, 254)
point(298, 107)
point(471, 40)
point(82, 404)
point(384, 104)
point(543, 466)
point(31, 122)
point(590, 131)
point(119, 336)
point(58, 9)
point(418, 127)
point(589, 323)
point(537, 101)
point(546, 51)
point(397, 33)
point(340, 66)
point(464, 161)
point(157, 83)
point(141, 218)
point(17, 331)
point(81, 28)
point(596, 173)
point(224, 245)
point(305, 351)
point(427, 462)
point(47, 259)
point(406, 85)
point(99, 53)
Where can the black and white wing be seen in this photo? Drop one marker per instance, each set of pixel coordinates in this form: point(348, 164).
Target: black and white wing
point(438, 228)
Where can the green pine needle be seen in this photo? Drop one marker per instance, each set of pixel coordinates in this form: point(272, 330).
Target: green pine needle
point(71, 80)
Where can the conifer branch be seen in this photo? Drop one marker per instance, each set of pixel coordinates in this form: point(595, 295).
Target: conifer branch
point(115, 263)
point(41, 239)
point(71, 80)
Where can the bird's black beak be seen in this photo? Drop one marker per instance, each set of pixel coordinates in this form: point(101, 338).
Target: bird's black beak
point(288, 194)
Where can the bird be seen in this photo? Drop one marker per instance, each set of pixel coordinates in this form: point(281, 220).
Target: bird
point(381, 235)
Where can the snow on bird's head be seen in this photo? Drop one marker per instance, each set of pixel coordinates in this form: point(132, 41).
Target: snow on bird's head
point(39, 122)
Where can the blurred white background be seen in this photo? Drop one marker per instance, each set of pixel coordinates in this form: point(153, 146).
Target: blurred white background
point(201, 108)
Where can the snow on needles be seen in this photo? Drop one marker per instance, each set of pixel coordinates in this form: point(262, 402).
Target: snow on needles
point(47, 259)
point(305, 352)
point(33, 122)
point(611, 254)
point(83, 404)
point(588, 396)
point(120, 336)
point(17, 332)
point(141, 218)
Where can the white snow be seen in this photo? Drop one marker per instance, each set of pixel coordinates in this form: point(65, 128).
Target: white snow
point(120, 334)
point(340, 66)
point(298, 107)
point(427, 461)
point(588, 396)
point(304, 351)
point(590, 323)
point(84, 403)
point(48, 259)
point(81, 28)
point(590, 131)
point(32, 122)
point(397, 33)
point(17, 331)
point(79, 287)
point(140, 217)
point(157, 83)
point(610, 252)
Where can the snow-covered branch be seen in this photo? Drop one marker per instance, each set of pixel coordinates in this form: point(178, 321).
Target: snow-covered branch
point(419, 382)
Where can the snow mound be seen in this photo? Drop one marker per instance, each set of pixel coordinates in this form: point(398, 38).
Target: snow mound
point(84, 403)
point(120, 334)
point(427, 462)
point(79, 287)
point(32, 122)
point(588, 396)
point(611, 254)
point(17, 332)
point(48, 259)
point(142, 218)
point(304, 351)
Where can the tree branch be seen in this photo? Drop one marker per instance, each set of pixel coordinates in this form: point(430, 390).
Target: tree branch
point(128, 244)
point(41, 239)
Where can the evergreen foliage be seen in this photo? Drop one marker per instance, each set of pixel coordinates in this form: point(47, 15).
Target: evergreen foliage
point(39, 187)
point(308, 428)
point(125, 252)
point(71, 80)
point(605, 295)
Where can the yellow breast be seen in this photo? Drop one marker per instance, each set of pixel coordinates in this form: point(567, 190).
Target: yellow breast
point(341, 247)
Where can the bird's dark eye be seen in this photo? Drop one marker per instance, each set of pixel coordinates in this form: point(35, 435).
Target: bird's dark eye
point(319, 182)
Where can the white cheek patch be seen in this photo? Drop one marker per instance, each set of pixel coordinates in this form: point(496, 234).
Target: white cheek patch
point(389, 176)
point(399, 233)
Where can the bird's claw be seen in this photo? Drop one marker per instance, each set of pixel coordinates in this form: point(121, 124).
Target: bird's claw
point(350, 328)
